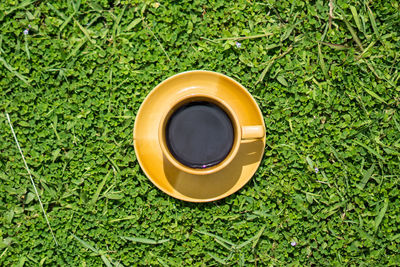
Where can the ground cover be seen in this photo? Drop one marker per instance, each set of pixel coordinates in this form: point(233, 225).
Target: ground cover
point(325, 73)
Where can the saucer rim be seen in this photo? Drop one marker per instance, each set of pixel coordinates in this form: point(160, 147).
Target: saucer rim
point(183, 197)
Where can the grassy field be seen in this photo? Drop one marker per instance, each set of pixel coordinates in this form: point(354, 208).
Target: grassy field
point(326, 75)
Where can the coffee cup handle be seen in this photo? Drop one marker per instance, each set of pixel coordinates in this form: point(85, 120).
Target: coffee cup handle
point(252, 132)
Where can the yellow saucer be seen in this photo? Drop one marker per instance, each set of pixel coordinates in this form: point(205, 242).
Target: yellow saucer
point(164, 175)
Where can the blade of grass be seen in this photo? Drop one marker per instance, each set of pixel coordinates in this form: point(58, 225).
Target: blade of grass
point(321, 61)
point(4, 253)
point(11, 69)
point(116, 25)
point(258, 236)
point(354, 35)
point(65, 23)
point(112, 162)
point(132, 24)
point(271, 62)
point(290, 27)
point(98, 191)
point(333, 210)
point(85, 244)
point(372, 69)
point(76, 49)
point(356, 18)
point(90, 247)
point(370, 150)
point(93, 21)
point(395, 79)
point(1, 44)
point(123, 219)
point(217, 259)
point(325, 32)
point(27, 48)
point(396, 123)
point(366, 50)
point(352, 31)
point(145, 240)
point(366, 177)
point(310, 162)
point(85, 32)
point(60, 14)
point(282, 81)
point(76, 4)
point(238, 38)
point(105, 260)
point(96, 7)
point(253, 239)
point(55, 131)
point(22, 5)
point(162, 262)
point(217, 237)
point(155, 37)
point(335, 46)
point(373, 22)
point(395, 237)
point(381, 214)
point(374, 95)
point(224, 245)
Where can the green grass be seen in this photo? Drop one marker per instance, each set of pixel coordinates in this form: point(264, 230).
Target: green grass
point(329, 93)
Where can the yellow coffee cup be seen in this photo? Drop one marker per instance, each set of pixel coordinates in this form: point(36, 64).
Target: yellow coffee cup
point(201, 134)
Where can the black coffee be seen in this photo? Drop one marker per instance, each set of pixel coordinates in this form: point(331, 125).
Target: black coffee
point(199, 134)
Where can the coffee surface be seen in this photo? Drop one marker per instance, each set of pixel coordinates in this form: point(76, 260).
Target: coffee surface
point(199, 134)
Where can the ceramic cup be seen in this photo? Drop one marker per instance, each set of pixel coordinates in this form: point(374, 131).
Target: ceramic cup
point(240, 132)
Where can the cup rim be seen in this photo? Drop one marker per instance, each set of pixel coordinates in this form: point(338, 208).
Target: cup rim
point(198, 97)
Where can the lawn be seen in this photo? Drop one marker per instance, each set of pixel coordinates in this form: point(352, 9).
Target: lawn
point(326, 75)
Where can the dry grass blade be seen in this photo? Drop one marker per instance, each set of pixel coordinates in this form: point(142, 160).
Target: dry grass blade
point(330, 13)
point(155, 37)
point(30, 175)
